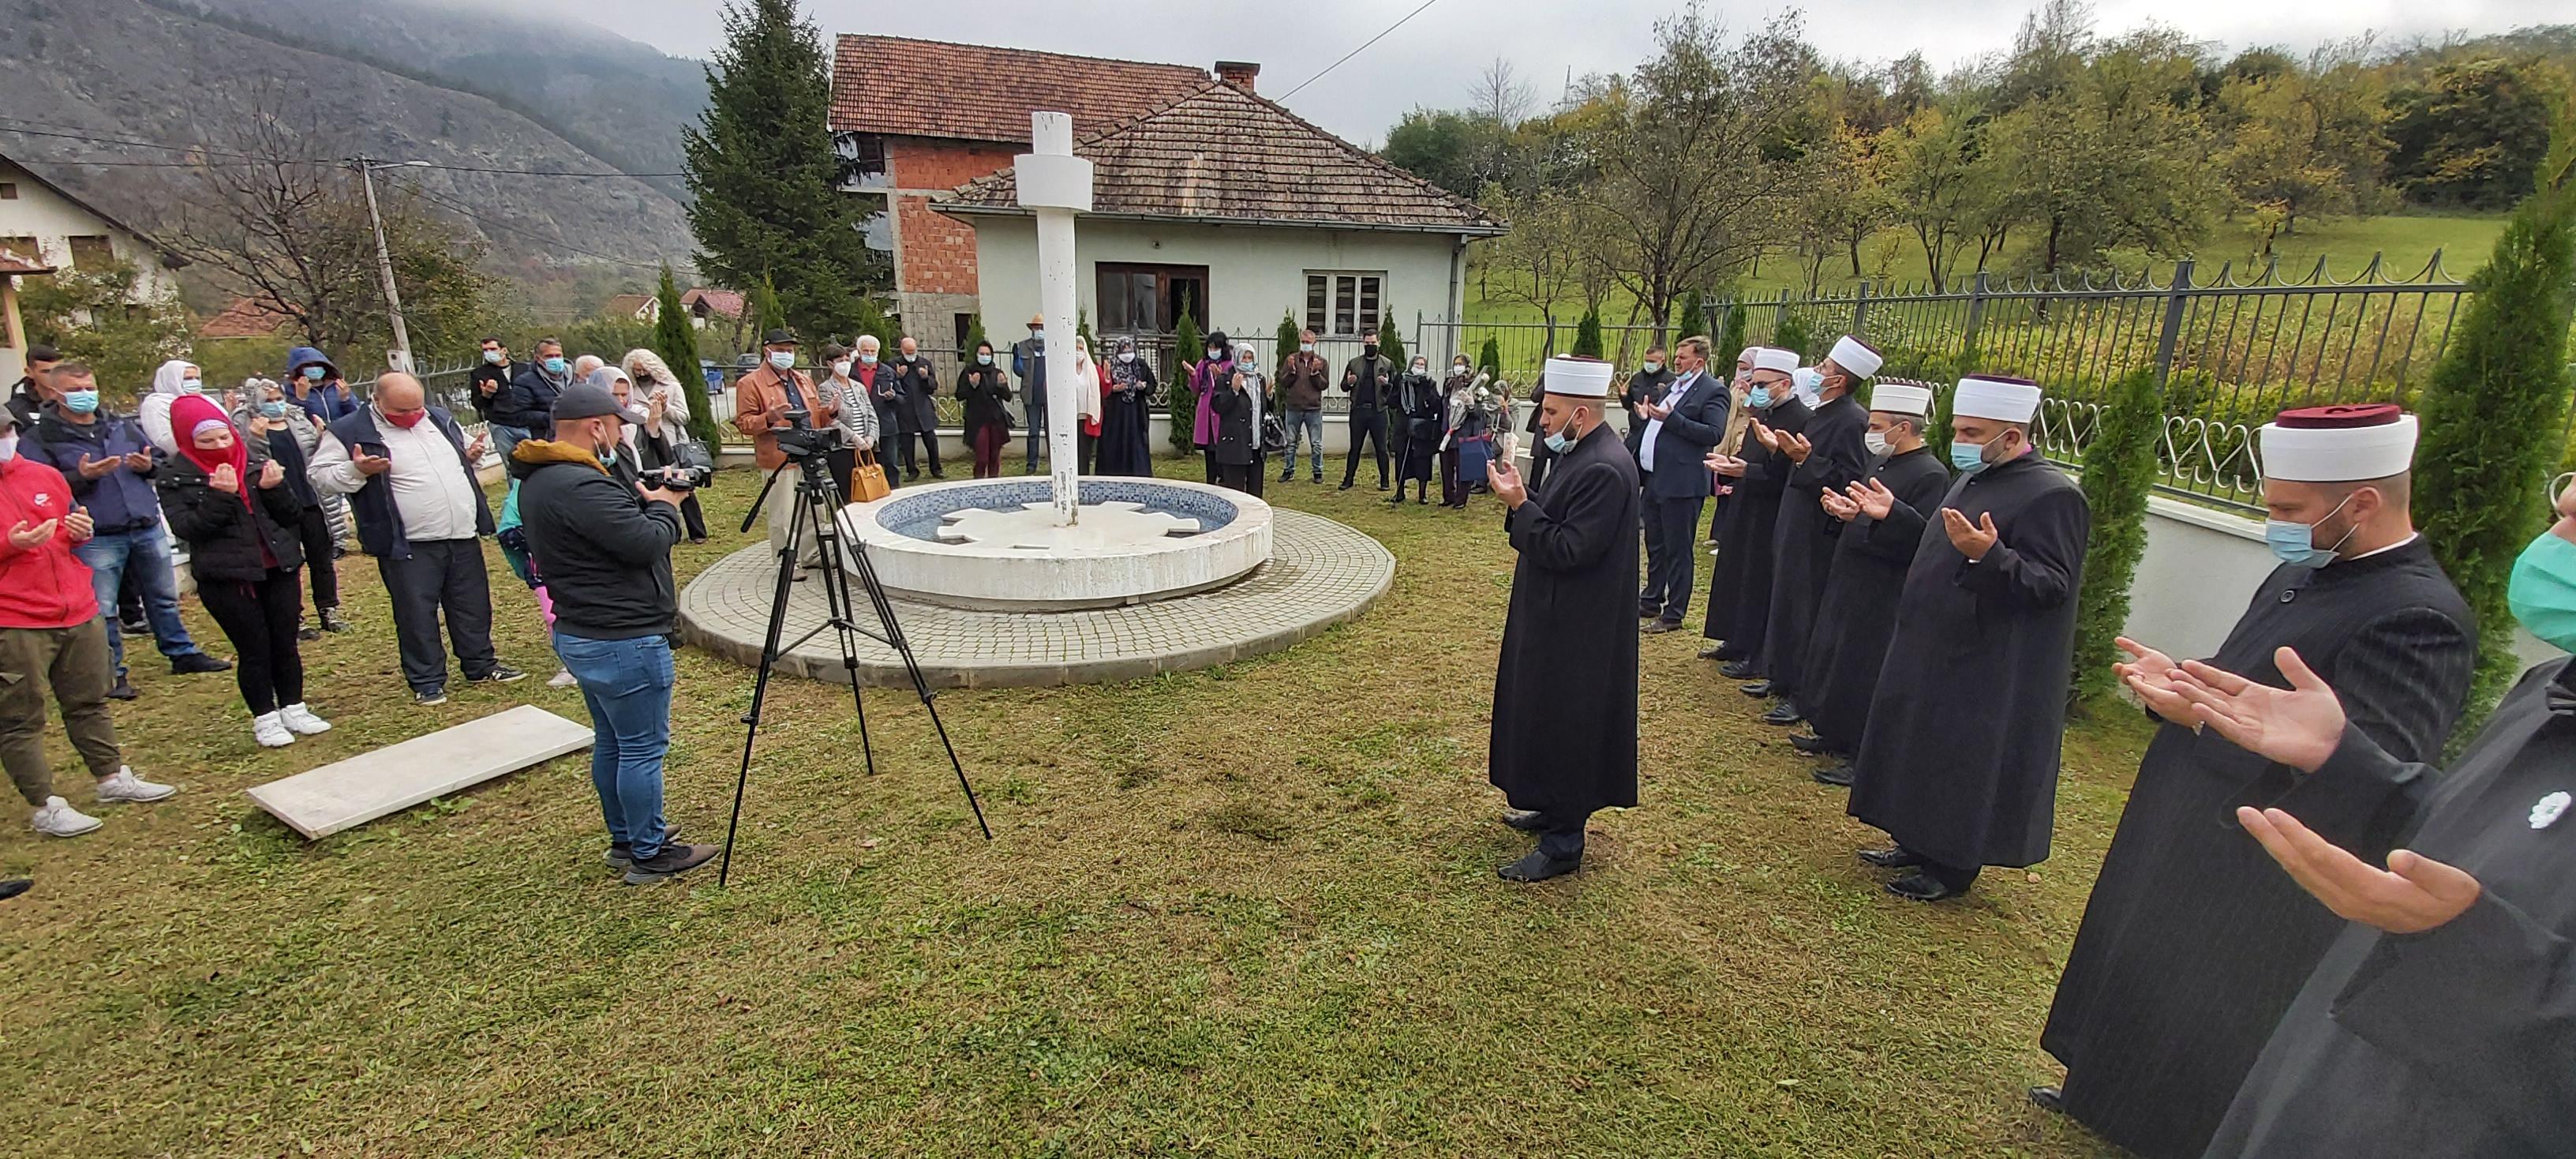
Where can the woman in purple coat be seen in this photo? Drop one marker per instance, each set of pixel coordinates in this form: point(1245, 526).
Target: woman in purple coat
point(1217, 367)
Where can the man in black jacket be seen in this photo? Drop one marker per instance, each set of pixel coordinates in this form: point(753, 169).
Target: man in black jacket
point(1370, 379)
point(493, 377)
point(602, 540)
point(524, 408)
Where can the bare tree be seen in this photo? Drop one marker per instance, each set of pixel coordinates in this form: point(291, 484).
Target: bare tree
point(276, 220)
point(1501, 96)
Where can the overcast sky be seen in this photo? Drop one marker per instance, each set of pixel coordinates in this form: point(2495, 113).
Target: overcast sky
point(1434, 59)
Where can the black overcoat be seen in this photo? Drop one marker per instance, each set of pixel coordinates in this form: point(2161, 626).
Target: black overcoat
point(1868, 574)
point(1803, 537)
point(1739, 586)
point(1564, 736)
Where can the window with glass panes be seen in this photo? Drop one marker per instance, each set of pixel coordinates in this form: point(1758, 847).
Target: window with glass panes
point(1343, 304)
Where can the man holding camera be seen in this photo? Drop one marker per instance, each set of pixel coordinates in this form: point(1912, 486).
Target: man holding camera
point(603, 539)
point(762, 401)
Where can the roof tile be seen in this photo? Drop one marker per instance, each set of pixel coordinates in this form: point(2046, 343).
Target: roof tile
point(899, 86)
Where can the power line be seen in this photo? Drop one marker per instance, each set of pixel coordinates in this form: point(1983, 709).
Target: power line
point(1356, 51)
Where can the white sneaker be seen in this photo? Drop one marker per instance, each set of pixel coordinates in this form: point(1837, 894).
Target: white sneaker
point(301, 721)
point(123, 785)
point(59, 819)
point(271, 731)
point(563, 678)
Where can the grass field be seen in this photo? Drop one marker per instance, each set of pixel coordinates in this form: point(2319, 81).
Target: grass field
point(1246, 911)
point(1893, 257)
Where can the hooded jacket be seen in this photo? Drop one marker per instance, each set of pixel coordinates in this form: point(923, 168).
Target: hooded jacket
point(329, 399)
point(603, 548)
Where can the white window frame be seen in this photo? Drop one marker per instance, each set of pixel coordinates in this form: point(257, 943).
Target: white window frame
point(1360, 294)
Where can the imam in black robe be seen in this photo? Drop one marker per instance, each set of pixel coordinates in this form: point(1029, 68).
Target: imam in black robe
point(1739, 586)
point(1126, 424)
point(2195, 941)
point(1564, 737)
point(1870, 558)
point(1959, 762)
point(1803, 537)
point(2460, 1041)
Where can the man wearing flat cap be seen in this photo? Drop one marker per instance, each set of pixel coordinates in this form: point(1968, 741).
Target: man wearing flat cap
point(2190, 915)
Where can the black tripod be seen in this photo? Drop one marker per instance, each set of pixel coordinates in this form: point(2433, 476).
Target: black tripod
point(818, 503)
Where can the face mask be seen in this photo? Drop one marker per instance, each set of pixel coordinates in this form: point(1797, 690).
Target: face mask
point(841, 368)
point(1369, 350)
point(983, 360)
point(1654, 367)
point(783, 359)
point(556, 365)
point(1216, 355)
point(1126, 356)
point(314, 373)
point(1038, 334)
point(192, 386)
point(272, 409)
point(608, 458)
point(406, 420)
point(2295, 543)
point(493, 356)
point(1969, 458)
point(867, 360)
point(2542, 592)
point(1563, 440)
point(1458, 368)
point(8, 446)
point(1876, 442)
point(1422, 368)
point(1306, 347)
point(1760, 398)
point(80, 402)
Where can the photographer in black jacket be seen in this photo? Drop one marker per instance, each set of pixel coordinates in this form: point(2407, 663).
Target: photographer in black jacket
point(602, 539)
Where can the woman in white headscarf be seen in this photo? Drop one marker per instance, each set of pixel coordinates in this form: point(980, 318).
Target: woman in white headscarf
point(1086, 406)
point(652, 379)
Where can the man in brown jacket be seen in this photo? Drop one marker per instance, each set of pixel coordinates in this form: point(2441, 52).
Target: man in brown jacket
point(1302, 378)
point(761, 402)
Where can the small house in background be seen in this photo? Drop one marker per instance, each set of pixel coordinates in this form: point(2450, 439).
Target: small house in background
point(244, 318)
point(13, 328)
point(45, 226)
point(639, 307)
point(1236, 210)
point(706, 306)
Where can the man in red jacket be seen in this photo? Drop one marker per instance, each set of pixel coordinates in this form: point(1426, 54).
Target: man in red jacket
point(50, 635)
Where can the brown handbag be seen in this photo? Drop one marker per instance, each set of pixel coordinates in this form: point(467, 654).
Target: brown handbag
point(868, 479)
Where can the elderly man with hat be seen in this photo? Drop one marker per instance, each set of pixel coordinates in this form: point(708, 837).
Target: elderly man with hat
point(1831, 454)
point(1739, 589)
point(1564, 741)
point(2189, 915)
point(1028, 364)
point(1960, 761)
point(763, 398)
point(1882, 520)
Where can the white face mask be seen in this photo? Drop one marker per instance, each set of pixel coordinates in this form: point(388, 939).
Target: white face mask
point(1654, 367)
point(841, 368)
point(192, 386)
point(1307, 347)
point(1876, 441)
point(783, 359)
point(867, 360)
point(1126, 356)
point(8, 446)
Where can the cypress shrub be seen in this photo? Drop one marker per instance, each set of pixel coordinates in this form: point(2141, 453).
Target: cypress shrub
point(1287, 339)
point(1489, 358)
point(2119, 473)
point(1730, 339)
point(1178, 398)
point(1791, 335)
point(1587, 335)
point(1690, 315)
point(677, 342)
point(2492, 408)
point(1390, 345)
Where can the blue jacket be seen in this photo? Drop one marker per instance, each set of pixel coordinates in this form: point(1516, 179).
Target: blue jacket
point(528, 402)
point(380, 527)
point(120, 500)
point(1697, 424)
point(329, 399)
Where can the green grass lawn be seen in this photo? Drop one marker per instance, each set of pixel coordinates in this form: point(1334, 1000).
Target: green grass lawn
point(1245, 911)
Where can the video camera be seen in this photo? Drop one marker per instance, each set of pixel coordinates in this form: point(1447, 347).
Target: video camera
point(802, 440)
point(681, 477)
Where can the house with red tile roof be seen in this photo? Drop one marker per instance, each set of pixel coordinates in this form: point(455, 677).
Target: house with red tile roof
point(244, 318)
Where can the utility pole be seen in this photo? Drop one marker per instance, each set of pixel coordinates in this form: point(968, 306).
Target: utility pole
point(400, 356)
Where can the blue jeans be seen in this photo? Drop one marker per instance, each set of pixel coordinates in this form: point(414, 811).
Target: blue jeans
point(1310, 421)
point(627, 684)
point(146, 553)
point(504, 438)
point(1037, 435)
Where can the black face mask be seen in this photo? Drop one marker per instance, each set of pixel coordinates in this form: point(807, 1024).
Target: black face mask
point(1369, 350)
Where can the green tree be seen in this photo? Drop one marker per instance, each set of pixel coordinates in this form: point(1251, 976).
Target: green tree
point(975, 336)
point(1692, 315)
point(2119, 473)
point(2473, 132)
point(1489, 357)
point(2492, 410)
point(1441, 147)
point(1289, 332)
point(677, 342)
point(761, 302)
point(1730, 337)
point(94, 315)
point(1791, 334)
point(2107, 160)
point(1180, 402)
point(1587, 335)
point(1390, 344)
point(763, 176)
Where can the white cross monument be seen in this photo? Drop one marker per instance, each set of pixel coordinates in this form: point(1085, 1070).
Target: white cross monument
point(1054, 184)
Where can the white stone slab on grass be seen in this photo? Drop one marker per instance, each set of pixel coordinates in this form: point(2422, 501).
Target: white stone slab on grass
point(350, 793)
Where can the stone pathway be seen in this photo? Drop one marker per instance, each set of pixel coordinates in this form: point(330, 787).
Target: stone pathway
point(1320, 573)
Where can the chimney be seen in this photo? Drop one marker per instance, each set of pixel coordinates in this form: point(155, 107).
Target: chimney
point(1238, 73)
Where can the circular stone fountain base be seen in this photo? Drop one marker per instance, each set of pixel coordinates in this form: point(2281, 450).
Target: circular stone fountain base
point(1320, 573)
point(997, 545)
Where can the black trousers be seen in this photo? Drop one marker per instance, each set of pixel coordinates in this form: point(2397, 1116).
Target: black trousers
point(1956, 877)
point(842, 461)
point(1259, 471)
point(694, 515)
point(1366, 423)
point(1214, 474)
point(1237, 476)
point(1086, 451)
point(1453, 490)
point(442, 575)
point(260, 619)
point(1672, 554)
point(1560, 836)
point(315, 529)
point(929, 451)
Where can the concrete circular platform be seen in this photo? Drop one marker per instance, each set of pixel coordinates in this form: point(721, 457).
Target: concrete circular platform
point(1320, 573)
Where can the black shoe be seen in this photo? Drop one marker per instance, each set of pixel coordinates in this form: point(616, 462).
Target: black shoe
point(1398, 501)
point(697, 539)
point(1649, 611)
point(1814, 746)
point(1783, 715)
point(1661, 626)
point(672, 861)
point(428, 697)
point(1921, 887)
point(2048, 1099)
point(621, 855)
point(1839, 775)
point(1892, 857)
point(193, 663)
point(500, 674)
point(124, 690)
point(308, 633)
point(132, 628)
point(1756, 689)
point(331, 620)
point(15, 886)
point(1381, 484)
point(1525, 820)
point(1712, 652)
point(1343, 487)
point(1536, 867)
point(1736, 670)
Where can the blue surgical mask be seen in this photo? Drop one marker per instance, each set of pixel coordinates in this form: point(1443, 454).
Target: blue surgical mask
point(2542, 592)
point(2295, 543)
point(1561, 442)
point(80, 402)
point(272, 408)
point(1759, 398)
point(557, 365)
point(1968, 457)
point(864, 360)
point(192, 386)
point(783, 359)
point(312, 374)
point(608, 458)
point(983, 360)
point(494, 357)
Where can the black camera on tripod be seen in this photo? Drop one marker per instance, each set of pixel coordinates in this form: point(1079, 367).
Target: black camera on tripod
point(802, 440)
point(680, 477)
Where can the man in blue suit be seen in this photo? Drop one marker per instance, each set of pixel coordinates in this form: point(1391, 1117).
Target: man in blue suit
point(1682, 425)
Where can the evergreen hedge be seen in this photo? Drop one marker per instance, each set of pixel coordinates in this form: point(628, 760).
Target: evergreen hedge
point(2493, 408)
point(677, 342)
point(1791, 335)
point(1489, 358)
point(1587, 335)
point(1730, 338)
point(1181, 401)
point(1390, 345)
point(2119, 472)
point(1288, 331)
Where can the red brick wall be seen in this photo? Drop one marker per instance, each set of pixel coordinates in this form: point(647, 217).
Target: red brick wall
point(938, 251)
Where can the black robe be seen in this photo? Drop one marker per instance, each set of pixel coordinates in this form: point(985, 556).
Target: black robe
point(2460, 1041)
point(1126, 424)
point(1564, 736)
point(2190, 916)
point(1959, 762)
point(1870, 558)
point(1803, 537)
point(1422, 414)
point(1739, 585)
